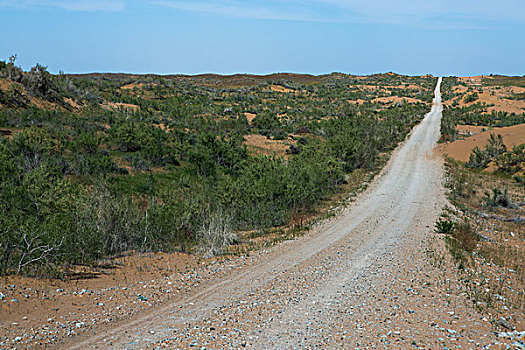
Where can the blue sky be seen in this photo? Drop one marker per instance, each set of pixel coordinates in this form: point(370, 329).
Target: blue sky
point(440, 37)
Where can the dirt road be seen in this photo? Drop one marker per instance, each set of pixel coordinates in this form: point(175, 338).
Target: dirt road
point(364, 278)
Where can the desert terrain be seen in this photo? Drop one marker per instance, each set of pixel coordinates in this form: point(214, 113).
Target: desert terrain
point(362, 266)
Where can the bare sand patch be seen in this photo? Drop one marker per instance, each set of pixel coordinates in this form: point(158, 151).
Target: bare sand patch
point(120, 106)
point(501, 104)
point(259, 144)
point(494, 96)
point(475, 80)
point(279, 88)
point(369, 87)
point(470, 130)
point(72, 103)
point(515, 89)
point(250, 116)
point(461, 149)
point(460, 89)
point(132, 86)
point(5, 84)
point(396, 99)
point(119, 285)
point(359, 101)
point(42, 104)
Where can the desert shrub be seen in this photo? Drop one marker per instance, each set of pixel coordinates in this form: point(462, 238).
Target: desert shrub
point(112, 223)
point(493, 150)
point(160, 148)
point(458, 182)
point(10, 71)
point(266, 190)
point(495, 146)
point(448, 129)
point(209, 151)
point(352, 143)
point(216, 234)
point(126, 136)
point(444, 225)
point(35, 202)
point(498, 198)
point(279, 135)
point(449, 120)
point(478, 158)
point(39, 82)
point(87, 142)
point(100, 164)
point(32, 147)
point(471, 97)
point(266, 122)
point(257, 194)
point(512, 162)
point(187, 141)
point(138, 163)
point(466, 236)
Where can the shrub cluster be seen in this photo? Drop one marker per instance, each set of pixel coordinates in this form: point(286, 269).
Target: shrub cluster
point(174, 172)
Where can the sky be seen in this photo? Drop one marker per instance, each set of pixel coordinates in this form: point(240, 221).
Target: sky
point(439, 37)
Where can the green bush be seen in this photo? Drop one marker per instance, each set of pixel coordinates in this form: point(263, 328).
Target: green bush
point(445, 226)
point(498, 198)
point(471, 97)
point(512, 162)
point(478, 158)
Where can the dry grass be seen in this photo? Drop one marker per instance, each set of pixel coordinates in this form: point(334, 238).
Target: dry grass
point(489, 248)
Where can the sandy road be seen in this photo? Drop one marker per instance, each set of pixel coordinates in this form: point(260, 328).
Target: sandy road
point(361, 279)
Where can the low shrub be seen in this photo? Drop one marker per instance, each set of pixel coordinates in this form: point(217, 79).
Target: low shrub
point(498, 198)
point(444, 225)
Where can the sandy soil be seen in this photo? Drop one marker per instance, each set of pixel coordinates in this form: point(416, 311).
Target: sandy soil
point(396, 99)
point(369, 87)
point(5, 84)
point(261, 145)
point(120, 105)
point(460, 89)
point(495, 96)
point(461, 149)
point(359, 101)
point(250, 116)
point(411, 86)
point(72, 103)
point(6, 133)
point(279, 88)
point(469, 130)
point(474, 80)
point(42, 311)
point(132, 86)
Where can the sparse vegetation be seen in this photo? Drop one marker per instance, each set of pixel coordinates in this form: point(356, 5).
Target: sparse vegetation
point(486, 241)
point(498, 198)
